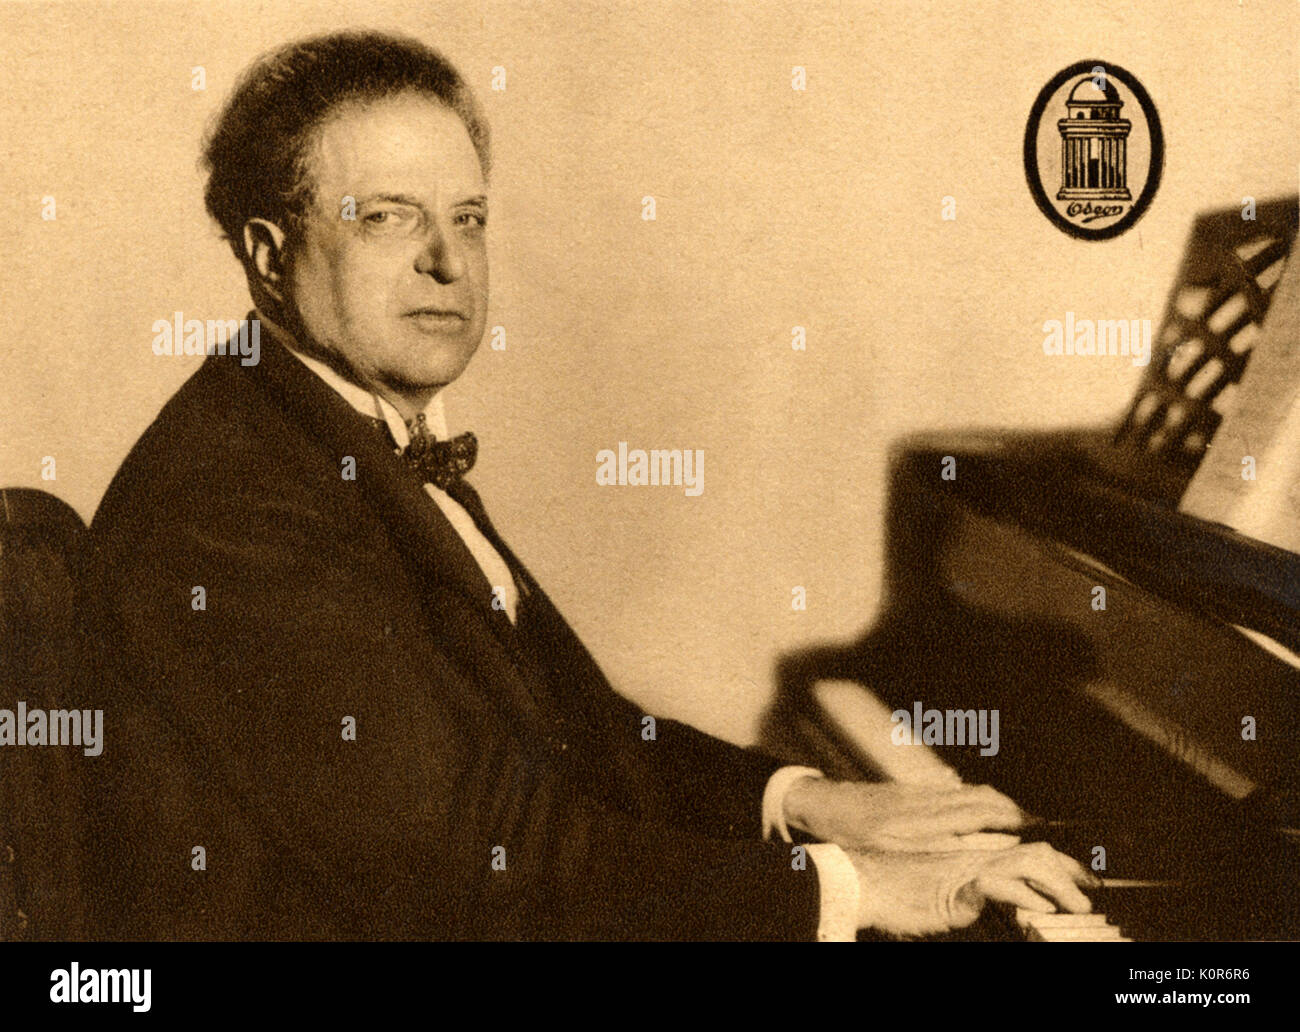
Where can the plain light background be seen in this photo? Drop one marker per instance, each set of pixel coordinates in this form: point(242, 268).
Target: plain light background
point(775, 208)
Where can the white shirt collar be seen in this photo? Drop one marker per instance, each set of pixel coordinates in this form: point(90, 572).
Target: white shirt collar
point(367, 402)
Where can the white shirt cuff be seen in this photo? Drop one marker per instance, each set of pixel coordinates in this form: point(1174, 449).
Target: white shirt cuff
point(838, 880)
point(774, 799)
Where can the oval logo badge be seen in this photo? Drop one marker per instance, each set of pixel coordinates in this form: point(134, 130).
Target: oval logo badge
point(1094, 151)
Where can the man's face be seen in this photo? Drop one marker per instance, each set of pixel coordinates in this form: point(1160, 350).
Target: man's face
point(401, 290)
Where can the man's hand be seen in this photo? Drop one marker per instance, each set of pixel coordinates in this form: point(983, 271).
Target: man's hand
point(909, 894)
point(890, 817)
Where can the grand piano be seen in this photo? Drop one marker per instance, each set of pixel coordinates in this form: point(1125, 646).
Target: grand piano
point(1157, 739)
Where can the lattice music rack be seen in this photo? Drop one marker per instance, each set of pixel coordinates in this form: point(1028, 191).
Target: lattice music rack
point(1210, 324)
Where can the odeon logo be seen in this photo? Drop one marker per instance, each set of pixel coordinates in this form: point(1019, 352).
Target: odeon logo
point(1094, 150)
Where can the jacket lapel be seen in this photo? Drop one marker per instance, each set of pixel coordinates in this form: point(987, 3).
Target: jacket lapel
point(562, 657)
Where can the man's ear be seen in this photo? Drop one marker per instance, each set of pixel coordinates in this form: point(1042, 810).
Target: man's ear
point(264, 245)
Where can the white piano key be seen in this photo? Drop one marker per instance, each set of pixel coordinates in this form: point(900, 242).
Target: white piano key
point(1101, 933)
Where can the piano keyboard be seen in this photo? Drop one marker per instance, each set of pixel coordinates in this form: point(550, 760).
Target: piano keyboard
point(1040, 927)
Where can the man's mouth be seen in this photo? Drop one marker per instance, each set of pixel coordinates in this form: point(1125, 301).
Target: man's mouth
point(437, 318)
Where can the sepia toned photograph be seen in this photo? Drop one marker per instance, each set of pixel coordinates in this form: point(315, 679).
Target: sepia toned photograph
point(360, 577)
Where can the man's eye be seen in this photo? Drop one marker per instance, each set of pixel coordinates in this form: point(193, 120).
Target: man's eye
point(472, 218)
point(387, 219)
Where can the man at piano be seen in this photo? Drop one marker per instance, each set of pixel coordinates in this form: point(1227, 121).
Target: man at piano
point(342, 707)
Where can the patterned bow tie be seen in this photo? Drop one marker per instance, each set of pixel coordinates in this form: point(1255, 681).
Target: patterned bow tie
point(440, 463)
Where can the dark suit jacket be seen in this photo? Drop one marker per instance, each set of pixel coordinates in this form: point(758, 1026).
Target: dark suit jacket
point(329, 598)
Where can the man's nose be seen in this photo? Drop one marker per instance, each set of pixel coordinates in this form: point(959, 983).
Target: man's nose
point(441, 258)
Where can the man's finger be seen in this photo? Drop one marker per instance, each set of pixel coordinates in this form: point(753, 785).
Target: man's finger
point(981, 841)
point(1077, 873)
point(982, 798)
point(964, 819)
point(1064, 892)
point(990, 795)
point(1014, 891)
point(1054, 875)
